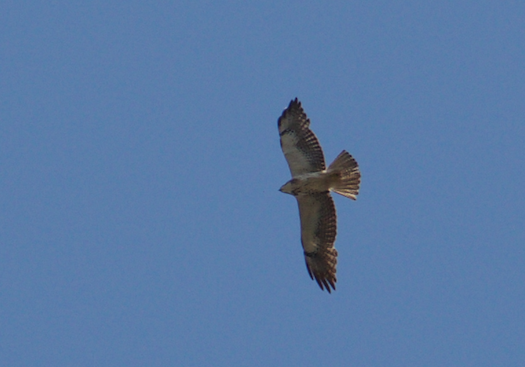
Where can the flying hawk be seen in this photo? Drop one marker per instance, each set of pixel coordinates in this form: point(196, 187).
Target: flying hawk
point(311, 184)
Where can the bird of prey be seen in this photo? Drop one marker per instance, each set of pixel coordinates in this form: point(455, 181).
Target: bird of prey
point(311, 184)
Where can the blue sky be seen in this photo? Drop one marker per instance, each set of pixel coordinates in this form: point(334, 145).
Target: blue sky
point(141, 223)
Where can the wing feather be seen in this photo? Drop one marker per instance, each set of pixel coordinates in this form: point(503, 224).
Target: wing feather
point(299, 144)
point(318, 232)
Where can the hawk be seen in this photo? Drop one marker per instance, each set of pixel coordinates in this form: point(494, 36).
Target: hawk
point(311, 184)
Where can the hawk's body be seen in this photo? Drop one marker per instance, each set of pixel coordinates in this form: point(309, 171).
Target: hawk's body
point(311, 184)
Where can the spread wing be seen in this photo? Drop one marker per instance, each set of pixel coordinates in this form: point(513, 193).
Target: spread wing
point(299, 144)
point(318, 231)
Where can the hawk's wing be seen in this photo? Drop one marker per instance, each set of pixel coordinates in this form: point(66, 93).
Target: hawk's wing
point(299, 144)
point(318, 231)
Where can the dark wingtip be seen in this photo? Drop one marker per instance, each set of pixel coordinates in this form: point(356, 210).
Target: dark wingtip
point(326, 281)
point(294, 103)
point(326, 284)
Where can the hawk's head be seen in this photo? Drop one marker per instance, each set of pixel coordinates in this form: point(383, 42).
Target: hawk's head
point(289, 187)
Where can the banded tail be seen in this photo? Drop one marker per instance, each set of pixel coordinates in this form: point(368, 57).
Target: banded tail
point(348, 177)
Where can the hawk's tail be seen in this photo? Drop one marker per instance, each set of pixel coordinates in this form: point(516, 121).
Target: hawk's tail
point(347, 175)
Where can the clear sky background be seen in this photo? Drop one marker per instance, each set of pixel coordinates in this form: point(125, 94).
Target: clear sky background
point(141, 223)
